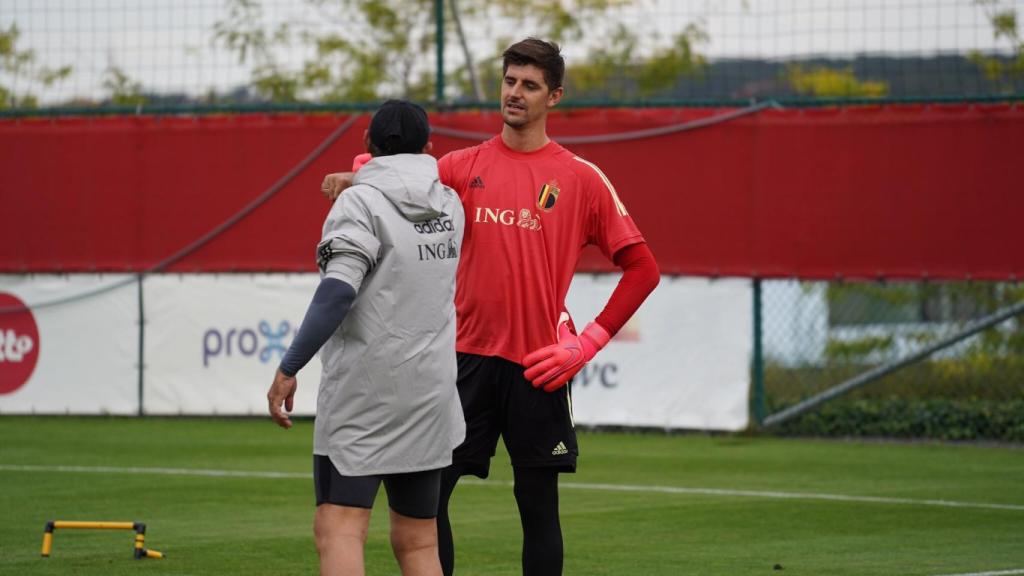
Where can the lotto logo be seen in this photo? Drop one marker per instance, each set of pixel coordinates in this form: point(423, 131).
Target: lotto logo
point(14, 347)
point(19, 344)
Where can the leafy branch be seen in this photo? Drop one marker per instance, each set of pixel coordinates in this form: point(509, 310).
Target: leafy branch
point(19, 67)
point(1004, 27)
point(364, 50)
point(825, 82)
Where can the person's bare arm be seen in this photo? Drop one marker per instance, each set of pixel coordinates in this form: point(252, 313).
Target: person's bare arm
point(335, 183)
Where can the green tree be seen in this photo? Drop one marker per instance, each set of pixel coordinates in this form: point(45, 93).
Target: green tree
point(372, 49)
point(825, 82)
point(19, 75)
point(373, 52)
point(1005, 27)
point(679, 59)
point(121, 89)
point(617, 68)
point(623, 62)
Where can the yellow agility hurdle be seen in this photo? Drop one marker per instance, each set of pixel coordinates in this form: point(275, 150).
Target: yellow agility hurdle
point(138, 527)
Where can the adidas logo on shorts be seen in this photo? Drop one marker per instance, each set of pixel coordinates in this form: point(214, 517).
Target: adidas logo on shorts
point(560, 449)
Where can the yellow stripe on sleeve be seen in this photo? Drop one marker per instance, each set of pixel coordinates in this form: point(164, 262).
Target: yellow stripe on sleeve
point(615, 196)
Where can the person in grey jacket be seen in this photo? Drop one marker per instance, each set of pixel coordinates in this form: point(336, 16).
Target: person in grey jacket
point(383, 318)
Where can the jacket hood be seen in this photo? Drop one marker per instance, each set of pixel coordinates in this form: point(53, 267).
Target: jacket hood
point(409, 181)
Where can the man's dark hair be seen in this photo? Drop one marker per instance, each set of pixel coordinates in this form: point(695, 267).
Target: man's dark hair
point(398, 127)
point(544, 55)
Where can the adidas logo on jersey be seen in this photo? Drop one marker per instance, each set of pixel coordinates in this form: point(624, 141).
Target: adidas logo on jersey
point(560, 449)
point(477, 182)
point(436, 225)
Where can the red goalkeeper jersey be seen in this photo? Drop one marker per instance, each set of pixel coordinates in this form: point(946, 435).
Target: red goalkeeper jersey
point(528, 217)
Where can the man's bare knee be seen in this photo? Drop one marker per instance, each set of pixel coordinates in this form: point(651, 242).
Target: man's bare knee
point(409, 535)
point(405, 543)
point(333, 524)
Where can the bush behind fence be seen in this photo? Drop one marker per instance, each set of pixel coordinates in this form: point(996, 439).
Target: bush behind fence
point(820, 334)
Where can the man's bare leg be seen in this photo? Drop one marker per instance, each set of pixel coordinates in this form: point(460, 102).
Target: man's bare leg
point(414, 541)
point(340, 537)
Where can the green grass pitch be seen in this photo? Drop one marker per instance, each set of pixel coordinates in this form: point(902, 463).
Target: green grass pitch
point(641, 504)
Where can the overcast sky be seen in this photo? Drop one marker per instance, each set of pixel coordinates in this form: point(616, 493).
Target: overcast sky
point(166, 44)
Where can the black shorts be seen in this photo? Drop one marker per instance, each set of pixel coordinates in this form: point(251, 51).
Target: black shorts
point(497, 399)
point(414, 494)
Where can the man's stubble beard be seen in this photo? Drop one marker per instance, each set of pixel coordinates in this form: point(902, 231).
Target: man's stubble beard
point(515, 123)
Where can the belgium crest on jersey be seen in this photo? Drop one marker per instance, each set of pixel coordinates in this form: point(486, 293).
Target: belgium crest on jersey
point(548, 195)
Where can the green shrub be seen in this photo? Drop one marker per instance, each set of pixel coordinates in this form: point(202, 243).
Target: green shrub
point(975, 376)
point(894, 417)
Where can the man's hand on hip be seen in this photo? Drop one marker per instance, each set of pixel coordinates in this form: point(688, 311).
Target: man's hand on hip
point(553, 366)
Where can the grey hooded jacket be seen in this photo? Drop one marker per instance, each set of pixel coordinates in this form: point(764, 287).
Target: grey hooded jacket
point(387, 402)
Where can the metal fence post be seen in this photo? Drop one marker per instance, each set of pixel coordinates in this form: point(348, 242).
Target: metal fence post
point(439, 22)
point(142, 347)
point(757, 368)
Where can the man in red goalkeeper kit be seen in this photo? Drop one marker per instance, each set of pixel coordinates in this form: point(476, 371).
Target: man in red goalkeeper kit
point(531, 207)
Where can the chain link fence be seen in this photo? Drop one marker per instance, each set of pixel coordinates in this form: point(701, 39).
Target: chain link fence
point(817, 335)
point(103, 56)
point(116, 54)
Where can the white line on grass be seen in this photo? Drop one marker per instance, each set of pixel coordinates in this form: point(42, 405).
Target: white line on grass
point(567, 485)
point(999, 573)
point(159, 471)
point(789, 495)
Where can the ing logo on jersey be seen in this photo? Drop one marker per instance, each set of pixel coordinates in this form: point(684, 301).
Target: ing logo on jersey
point(527, 221)
point(548, 195)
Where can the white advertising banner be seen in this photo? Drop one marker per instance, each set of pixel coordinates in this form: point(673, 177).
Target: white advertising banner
point(75, 357)
point(212, 344)
point(213, 341)
point(681, 362)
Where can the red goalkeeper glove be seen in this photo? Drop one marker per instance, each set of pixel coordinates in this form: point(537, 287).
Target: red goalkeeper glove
point(553, 366)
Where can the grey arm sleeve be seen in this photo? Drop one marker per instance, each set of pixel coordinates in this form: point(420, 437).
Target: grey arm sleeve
point(330, 305)
point(349, 248)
